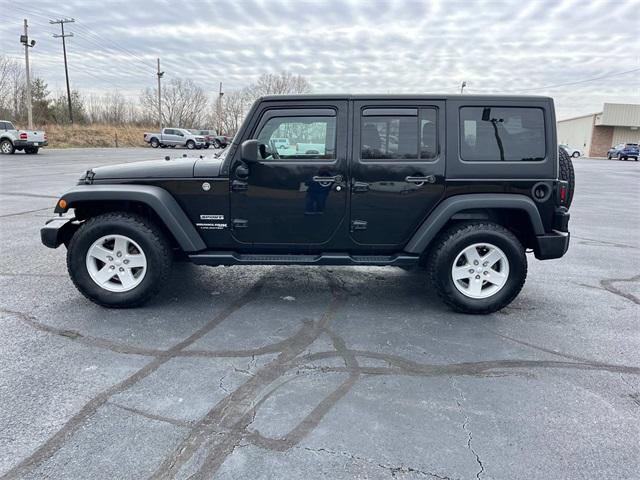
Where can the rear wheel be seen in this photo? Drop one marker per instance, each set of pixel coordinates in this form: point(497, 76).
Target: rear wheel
point(6, 147)
point(567, 173)
point(477, 267)
point(119, 259)
point(31, 150)
point(154, 143)
point(216, 143)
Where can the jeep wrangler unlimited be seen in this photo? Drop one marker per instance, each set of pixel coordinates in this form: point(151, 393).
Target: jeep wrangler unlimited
point(462, 186)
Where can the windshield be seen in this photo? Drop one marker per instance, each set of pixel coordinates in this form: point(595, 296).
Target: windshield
point(196, 132)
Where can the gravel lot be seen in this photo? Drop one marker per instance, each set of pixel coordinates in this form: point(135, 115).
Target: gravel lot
point(308, 372)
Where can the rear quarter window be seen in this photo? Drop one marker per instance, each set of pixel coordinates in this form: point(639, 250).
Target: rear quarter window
point(502, 134)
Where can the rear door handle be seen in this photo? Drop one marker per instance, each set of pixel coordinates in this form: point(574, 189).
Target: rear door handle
point(321, 179)
point(420, 180)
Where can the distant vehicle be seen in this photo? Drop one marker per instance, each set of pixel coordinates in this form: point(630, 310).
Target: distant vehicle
point(624, 151)
point(12, 139)
point(574, 152)
point(281, 143)
point(212, 138)
point(175, 137)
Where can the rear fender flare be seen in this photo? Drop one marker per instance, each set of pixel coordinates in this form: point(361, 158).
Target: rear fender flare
point(452, 205)
point(156, 198)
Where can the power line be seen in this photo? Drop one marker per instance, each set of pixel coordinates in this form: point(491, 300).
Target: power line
point(546, 87)
point(62, 21)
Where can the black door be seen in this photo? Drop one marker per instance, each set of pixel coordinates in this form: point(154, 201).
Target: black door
point(397, 170)
point(297, 193)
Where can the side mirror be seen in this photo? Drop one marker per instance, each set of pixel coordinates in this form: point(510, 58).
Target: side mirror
point(249, 151)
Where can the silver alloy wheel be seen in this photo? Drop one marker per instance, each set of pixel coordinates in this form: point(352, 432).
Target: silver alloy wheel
point(116, 263)
point(6, 147)
point(480, 270)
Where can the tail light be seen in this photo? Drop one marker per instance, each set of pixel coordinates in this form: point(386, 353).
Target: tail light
point(563, 193)
point(45, 137)
point(23, 136)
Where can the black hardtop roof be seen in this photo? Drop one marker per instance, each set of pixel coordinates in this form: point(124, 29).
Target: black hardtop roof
point(420, 96)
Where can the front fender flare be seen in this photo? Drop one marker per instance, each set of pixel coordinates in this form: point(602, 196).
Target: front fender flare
point(452, 205)
point(156, 198)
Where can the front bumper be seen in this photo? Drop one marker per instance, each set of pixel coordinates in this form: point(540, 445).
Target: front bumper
point(29, 143)
point(58, 230)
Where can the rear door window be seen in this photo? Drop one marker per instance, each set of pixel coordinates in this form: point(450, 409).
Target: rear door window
point(398, 134)
point(494, 134)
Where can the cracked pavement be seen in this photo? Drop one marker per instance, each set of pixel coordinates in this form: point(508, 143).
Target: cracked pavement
point(309, 372)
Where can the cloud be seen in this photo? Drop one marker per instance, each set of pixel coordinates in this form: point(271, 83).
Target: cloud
point(344, 46)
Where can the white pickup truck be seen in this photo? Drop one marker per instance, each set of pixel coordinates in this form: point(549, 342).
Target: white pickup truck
point(12, 139)
point(175, 137)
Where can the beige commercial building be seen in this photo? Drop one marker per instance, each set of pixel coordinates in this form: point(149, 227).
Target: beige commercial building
point(595, 133)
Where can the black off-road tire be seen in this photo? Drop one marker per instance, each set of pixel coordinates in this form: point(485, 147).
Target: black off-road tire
point(31, 150)
point(145, 233)
point(217, 144)
point(453, 241)
point(567, 173)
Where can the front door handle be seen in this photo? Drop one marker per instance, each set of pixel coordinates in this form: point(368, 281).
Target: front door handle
point(239, 186)
point(420, 180)
point(321, 179)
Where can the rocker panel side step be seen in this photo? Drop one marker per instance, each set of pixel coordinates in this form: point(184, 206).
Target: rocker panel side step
point(234, 258)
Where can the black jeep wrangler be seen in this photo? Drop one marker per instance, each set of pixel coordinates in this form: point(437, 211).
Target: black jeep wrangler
point(461, 186)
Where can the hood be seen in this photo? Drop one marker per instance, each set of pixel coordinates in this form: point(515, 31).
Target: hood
point(175, 168)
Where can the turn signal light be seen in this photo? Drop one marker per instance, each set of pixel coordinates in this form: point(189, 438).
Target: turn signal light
point(62, 203)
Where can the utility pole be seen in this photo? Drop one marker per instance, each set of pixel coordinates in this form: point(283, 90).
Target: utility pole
point(24, 39)
point(464, 84)
point(220, 94)
point(62, 21)
point(159, 74)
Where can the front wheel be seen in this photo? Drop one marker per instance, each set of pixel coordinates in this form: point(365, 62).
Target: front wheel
point(119, 259)
point(217, 144)
point(477, 268)
point(575, 154)
point(191, 144)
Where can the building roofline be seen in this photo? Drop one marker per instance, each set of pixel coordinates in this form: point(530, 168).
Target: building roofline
point(580, 116)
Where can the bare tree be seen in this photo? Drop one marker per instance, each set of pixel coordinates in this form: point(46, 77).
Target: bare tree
point(12, 89)
point(184, 104)
point(286, 82)
point(236, 103)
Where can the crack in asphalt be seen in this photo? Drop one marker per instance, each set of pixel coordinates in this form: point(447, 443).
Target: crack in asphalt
point(466, 429)
point(392, 468)
point(15, 214)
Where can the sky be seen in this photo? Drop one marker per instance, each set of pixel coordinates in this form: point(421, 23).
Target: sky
point(577, 51)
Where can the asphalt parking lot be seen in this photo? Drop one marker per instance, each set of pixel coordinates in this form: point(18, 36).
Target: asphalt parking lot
point(309, 372)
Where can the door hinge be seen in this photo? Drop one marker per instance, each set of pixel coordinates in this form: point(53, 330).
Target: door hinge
point(239, 223)
point(239, 186)
point(358, 225)
point(360, 187)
